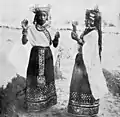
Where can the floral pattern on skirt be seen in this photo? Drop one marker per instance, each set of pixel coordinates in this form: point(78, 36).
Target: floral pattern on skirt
point(41, 92)
point(81, 100)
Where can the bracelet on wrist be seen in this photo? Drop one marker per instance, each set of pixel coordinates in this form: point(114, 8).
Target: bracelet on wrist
point(24, 32)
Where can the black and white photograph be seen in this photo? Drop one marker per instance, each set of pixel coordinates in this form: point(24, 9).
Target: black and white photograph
point(59, 58)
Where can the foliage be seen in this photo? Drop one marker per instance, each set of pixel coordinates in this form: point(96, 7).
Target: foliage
point(113, 82)
point(105, 23)
point(111, 25)
point(8, 96)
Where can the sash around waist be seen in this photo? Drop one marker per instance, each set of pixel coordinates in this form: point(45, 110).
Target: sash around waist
point(36, 49)
point(42, 47)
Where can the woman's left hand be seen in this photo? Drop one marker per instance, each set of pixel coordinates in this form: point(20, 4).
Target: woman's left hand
point(57, 35)
point(74, 35)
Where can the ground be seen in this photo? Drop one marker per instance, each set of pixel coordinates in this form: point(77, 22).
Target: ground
point(109, 105)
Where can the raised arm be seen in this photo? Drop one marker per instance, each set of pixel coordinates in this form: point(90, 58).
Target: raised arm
point(56, 39)
point(74, 34)
point(24, 25)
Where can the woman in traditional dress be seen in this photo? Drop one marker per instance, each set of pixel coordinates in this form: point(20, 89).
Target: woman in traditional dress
point(88, 83)
point(40, 91)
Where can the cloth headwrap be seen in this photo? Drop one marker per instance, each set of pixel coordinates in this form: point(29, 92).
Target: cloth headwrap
point(37, 8)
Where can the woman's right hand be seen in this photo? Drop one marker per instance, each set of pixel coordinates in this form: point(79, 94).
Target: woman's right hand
point(24, 24)
point(74, 35)
point(81, 41)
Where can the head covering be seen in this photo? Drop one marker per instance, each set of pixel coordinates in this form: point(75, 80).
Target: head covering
point(93, 16)
point(37, 8)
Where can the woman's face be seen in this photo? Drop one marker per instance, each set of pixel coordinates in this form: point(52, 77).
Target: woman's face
point(42, 17)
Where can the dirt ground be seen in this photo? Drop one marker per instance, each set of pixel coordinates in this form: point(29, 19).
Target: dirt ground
point(109, 105)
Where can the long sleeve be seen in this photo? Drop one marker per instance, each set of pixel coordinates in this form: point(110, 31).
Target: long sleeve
point(24, 36)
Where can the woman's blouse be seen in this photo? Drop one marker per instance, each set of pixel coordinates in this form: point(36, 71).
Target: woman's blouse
point(42, 37)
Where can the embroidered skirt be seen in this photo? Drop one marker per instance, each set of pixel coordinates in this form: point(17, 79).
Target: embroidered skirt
point(81, 100)
point(41, 92)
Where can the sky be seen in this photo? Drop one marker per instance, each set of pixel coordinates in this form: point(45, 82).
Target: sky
point(13, 11)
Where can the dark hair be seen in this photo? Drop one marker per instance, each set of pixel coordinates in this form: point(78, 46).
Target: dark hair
point(97, 24)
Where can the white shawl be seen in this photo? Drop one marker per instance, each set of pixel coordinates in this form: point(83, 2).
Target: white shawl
point(93, 66)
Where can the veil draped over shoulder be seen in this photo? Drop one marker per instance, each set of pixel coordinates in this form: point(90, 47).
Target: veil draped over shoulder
point(93, 65)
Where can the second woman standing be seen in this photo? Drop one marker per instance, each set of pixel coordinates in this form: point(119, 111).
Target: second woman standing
point(88, 83)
